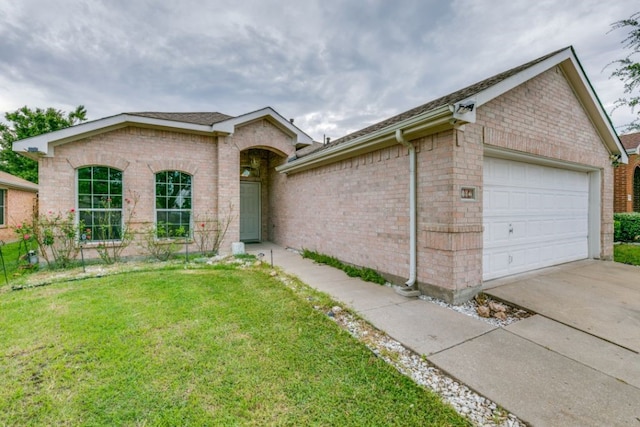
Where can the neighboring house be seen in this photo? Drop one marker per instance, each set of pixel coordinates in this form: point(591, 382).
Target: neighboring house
point(18, 199)
point(627, 177)
point(508, 175)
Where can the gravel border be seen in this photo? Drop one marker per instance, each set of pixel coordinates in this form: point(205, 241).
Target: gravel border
point(478, 409)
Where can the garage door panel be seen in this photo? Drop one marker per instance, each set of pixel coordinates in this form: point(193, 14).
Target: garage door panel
point(534, 216)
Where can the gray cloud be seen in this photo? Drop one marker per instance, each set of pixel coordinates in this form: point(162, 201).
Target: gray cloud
point(336, 66)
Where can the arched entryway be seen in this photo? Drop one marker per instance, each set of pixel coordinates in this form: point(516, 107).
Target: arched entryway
point(256, 192)
point(636, 190)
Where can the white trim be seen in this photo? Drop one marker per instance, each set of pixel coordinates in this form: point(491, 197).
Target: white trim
point(430, 119)
point(595, 213)
point(503, 153)
point(229, 125)
point(43, 145)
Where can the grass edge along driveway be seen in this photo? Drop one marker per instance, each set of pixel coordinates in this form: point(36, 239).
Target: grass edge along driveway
point(214, 346)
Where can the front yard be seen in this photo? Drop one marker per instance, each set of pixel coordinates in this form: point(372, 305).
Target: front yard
point(627, 254)
point(208, 346)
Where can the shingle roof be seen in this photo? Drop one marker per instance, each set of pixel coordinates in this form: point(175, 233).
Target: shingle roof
point(440, 102)
point(630, 141)
point(206, 119)
point(8, 180)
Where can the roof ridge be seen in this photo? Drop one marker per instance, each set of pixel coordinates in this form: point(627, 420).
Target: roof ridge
point(451, 98)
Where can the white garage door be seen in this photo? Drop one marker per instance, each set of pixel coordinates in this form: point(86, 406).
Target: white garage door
point(534, 216)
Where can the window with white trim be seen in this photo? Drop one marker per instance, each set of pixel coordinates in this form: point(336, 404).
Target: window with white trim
point(173, 204)
point(100, 202)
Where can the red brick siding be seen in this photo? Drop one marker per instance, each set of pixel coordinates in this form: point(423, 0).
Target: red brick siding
point(623, 185)
point(19, 207)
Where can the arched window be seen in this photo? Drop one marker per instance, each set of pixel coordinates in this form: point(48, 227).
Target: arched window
point(636, 190)
point(173, 204)
point(100, 202)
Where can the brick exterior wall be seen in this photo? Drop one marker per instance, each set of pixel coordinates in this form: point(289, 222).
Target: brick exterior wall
point(623, 185)
point(357, 209)
point(213, 162)
point(19, 209)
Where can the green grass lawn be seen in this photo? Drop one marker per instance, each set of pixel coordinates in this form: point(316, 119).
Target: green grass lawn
point(10, 253)
point(628, 254)
point(209, 346)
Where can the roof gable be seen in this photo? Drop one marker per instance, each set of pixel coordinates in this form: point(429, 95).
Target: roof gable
point(630, 141)
point(436, 114)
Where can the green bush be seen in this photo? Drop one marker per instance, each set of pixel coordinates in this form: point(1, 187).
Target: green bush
point(367, 274)
point(629, 227)
point(617, 230)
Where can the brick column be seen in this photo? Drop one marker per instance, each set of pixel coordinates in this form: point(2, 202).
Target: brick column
point(229, 189)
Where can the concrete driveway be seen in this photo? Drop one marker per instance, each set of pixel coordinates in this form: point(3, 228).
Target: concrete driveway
point(599, 298)
point(576, 362)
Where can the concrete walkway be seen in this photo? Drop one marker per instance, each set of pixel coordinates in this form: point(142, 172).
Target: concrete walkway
point(546, 371)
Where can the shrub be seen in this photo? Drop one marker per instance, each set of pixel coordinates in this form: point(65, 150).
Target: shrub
point(161, 245)
point(367, 274)
point(210, 230)
point(629, 227)
point(57, 234)
point(617, 231)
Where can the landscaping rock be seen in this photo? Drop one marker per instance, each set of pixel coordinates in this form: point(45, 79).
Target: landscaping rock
point(497, 307)
point(484, 311)
point(500, 315)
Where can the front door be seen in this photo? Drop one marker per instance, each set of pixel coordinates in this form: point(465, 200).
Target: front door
point(249, 211)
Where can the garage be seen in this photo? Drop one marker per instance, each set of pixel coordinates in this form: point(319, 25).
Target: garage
point(534, 216)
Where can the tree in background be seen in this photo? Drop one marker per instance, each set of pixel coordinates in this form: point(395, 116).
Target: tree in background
point(25, 123)
point(628, 70)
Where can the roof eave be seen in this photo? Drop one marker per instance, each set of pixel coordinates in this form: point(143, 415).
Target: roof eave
point(43, 145)
point(426, 123)
point(22, 187)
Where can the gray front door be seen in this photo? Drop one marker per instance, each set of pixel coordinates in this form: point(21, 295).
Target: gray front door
point(249, 211)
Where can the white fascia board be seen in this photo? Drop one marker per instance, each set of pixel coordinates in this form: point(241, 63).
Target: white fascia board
point(581, 85)
point(517, 79)
point(43, 145)
point(23, 187)
point(228, 126)
point(423, 121)
point(592, 105)
point(518, 156)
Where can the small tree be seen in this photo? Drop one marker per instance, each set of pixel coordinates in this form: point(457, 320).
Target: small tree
point(25, 123)
point(628, 69)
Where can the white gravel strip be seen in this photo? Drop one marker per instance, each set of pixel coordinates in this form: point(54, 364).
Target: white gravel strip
point(481, 411)
point(469, 308)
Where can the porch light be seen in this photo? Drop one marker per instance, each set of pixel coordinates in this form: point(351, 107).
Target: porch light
point(255, 162)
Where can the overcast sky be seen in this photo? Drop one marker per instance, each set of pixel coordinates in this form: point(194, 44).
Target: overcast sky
point(334, 66)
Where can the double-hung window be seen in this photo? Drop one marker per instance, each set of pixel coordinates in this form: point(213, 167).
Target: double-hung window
point(100, 202)
point(173, 204)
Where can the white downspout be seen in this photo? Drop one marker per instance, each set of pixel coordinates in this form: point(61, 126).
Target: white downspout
point(412, 209)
